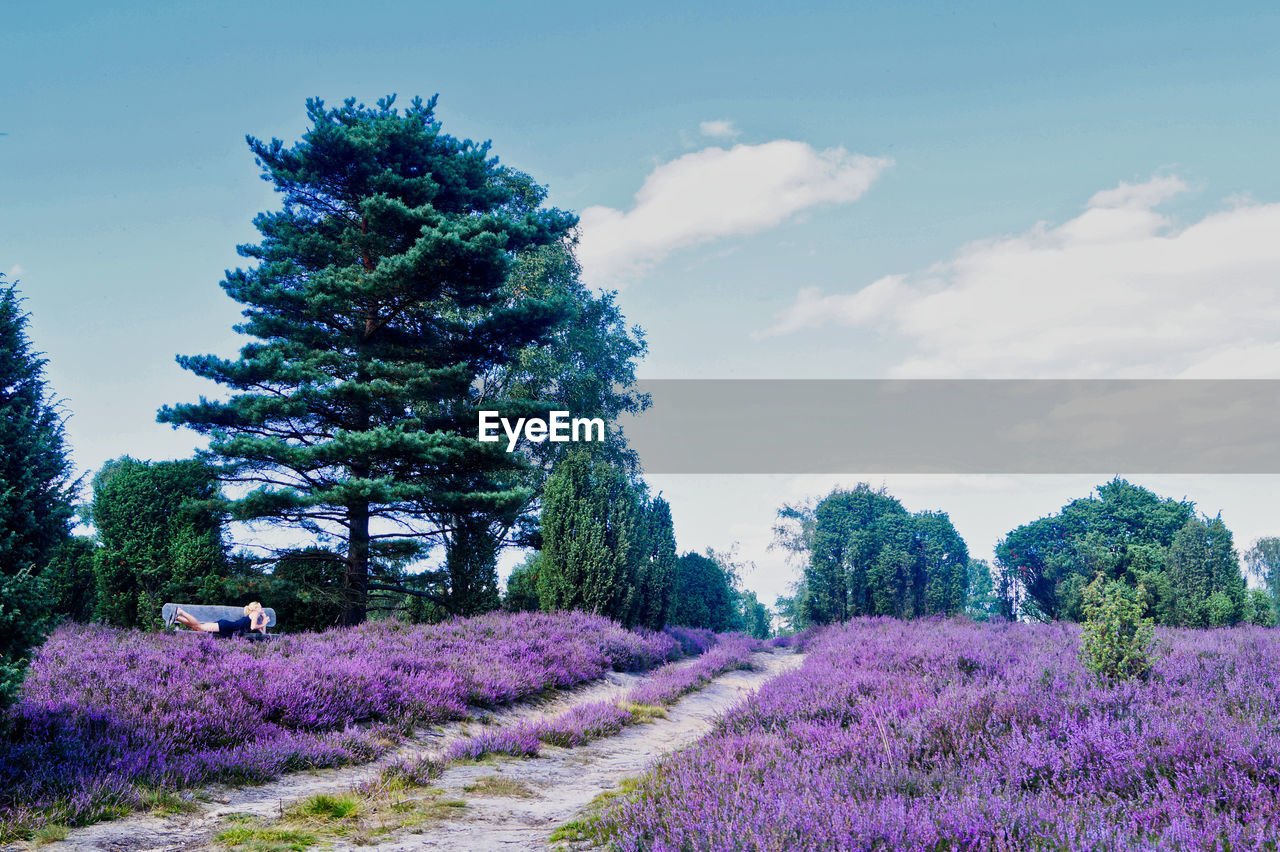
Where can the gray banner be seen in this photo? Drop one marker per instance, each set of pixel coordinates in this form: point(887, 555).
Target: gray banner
point(958, 426)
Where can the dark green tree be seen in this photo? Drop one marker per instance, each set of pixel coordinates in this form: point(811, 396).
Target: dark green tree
point(755, 616)
point(592, 534)
point(1204, 579)
point(866, 555)
point(70, 579)
point(377, 301)
point(655, 581)
point(159, 529)
point(36, 492)
point(704, 594)
point(1123, 531)
point(586, 365)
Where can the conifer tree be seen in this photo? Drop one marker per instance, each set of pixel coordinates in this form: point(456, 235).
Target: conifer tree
point(657, 568)
point(591, 525)
point(36, 491)
point(376, 300)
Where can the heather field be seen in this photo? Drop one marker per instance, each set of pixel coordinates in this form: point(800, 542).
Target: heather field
point(953, 735)
point(110, 719)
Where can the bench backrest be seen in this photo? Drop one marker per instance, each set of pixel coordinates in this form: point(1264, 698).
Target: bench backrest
point(210, 612)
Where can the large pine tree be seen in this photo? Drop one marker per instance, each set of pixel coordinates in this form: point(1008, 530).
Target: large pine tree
point(35, 491)
point(376, 301)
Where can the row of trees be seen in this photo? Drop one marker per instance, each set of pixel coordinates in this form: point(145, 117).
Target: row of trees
point(863, 554)
point(1186, 564)
point(408, 281)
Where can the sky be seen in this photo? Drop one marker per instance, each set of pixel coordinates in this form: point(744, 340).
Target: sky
point(854, 190)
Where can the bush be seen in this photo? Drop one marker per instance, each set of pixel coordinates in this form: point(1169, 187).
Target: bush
point(1117, 640)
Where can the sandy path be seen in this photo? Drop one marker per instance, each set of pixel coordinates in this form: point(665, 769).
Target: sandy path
point(566, 780)
point(187, 832)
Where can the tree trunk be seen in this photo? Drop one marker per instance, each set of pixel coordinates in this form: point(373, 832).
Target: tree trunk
point(356, 578)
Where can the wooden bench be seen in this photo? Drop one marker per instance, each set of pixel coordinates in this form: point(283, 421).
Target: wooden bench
point(210, 612)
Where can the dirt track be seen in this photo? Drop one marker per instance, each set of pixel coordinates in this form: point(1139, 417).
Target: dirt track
point(562, 781)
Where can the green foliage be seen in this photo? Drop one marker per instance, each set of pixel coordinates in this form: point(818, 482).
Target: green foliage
point(522, 587)
point(704, 594)
point(304, 587)
point(605, 547)
point(1129, 534)
point(36, 491)
point(1206, 588)
point(1117, 639)
point(1262, 561)
point(866, 555)
point(1262, 612)
point(71, 581)
point(592, 539)
point(159, 527)
point(756, 620)
point(982, 601)
point(23, 620)
point(586, 364)
point(790, 609)
point(378, 304)
point(655, 581)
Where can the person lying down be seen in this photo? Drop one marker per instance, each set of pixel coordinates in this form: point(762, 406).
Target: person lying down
point(254, 618)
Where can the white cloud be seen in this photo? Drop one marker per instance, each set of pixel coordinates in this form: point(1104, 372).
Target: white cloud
point(715, 193)
point(719, 128)
point(15, 271)
point(1118, 291)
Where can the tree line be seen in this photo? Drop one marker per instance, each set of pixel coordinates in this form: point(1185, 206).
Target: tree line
point(862, 553)
point(407, 281)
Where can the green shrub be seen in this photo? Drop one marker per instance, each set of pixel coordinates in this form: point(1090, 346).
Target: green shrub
point(1117, 640)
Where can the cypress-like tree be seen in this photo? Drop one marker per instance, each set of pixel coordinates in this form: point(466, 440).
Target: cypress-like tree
point(591, 522)
point(377, 301)
point(657, 569)
point(586, 365)
point(36, 491)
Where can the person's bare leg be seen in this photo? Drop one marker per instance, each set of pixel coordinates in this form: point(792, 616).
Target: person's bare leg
point(189, 621)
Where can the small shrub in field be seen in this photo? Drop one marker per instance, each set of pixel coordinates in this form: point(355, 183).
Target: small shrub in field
point(1116, 643)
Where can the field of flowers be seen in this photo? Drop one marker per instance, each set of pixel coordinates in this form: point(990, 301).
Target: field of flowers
point(108, 715)
point(952, 735)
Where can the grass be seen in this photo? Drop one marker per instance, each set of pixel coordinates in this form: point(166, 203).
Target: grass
point(257, 838)
point(328, 808)
point(643, 713)
point(163, 802)
point(51, 833)
point(590, 826)
point(498, 785)
point(358, 818)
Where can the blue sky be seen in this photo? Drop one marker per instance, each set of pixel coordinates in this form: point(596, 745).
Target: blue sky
point(843, 190)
